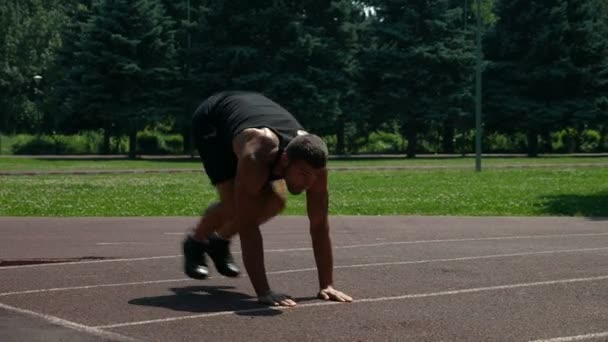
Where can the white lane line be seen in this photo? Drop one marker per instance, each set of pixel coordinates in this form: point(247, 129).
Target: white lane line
point(70, 325)
point(85, 287)
point(411, 262)
point(92, 262)
point(491, 256)
point(575, 338)
point(286, 250)
point(497, 238)
point(414, 242)
point(364, 300)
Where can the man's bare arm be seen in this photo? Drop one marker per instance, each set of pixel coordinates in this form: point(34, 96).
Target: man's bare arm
point(252, 193)
point(249, 182)
point(317, 201)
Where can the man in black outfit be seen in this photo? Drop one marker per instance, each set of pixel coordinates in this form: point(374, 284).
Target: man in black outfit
point(253, 150)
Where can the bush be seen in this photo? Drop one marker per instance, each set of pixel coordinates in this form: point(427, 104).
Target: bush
point(519, 143)
point(505, 143)
point(332, 143)
point(42, 144)
point(54, 144)
point(152, 142)
point(498, 143)
point(119, 144)
point(149, 142)
point(557, 143)
point(76, 144)
point(93, 141)
point(590, 140)
point(464, 142)
point(85, 143)
point(174, 143)
point(381, 142)
point(566, 140)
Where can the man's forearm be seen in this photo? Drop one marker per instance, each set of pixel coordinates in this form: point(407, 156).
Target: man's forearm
point(321, 243)
point(253, 258)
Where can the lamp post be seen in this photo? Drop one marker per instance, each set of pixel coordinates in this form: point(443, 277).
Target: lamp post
point(189, 42)
point(478, 127)
point(38, 95)
point(189, 38)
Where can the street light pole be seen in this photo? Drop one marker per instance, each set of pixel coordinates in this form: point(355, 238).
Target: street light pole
point(38, 95)
point(189, 38)
point(466, 13)
point(478, 128)
point(191, 143)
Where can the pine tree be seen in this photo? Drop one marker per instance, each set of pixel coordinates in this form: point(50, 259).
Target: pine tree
point(323, 63)
point(300, 53)
point(542, 71)
point(420, 64)
point(69, 70)
point(128, 53)
point(186, 15)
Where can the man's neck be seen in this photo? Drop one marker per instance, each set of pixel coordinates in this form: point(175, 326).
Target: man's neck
point(277, 169)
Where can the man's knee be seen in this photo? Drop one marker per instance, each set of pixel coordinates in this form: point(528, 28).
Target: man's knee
point(228, 211)
point(223, 210)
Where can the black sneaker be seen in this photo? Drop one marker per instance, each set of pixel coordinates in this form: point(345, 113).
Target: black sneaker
point(219, 250)
point(195, 265)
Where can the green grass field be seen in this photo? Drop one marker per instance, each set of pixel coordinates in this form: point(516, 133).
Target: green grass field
point(40, 164)
point(561, 191)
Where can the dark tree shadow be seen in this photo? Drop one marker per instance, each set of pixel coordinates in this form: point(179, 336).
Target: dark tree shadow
point(593, 206)
point(209, 299)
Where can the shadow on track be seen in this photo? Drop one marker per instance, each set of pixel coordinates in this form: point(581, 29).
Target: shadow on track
point(210, 299)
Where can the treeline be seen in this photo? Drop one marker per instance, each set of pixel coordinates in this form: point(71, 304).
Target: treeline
point(345, 68)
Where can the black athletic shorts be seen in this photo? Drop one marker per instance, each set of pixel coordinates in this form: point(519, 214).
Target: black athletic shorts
point(214, 143)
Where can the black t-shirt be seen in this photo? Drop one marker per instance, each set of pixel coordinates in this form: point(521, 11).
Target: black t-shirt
point(235, 111)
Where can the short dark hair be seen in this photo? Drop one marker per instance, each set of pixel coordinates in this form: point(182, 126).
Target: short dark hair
point(310, 148)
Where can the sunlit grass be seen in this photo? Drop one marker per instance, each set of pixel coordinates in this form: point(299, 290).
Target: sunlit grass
point(513, 192)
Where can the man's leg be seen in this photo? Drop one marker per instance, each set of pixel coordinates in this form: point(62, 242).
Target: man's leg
point(204, 238)
point(216, 227)
point(217, 214)
point(220, 166)
point(219, 245)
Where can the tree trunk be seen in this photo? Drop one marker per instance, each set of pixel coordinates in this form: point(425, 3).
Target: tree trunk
point(105, 146)
point(578, 140)
point(603, 133)
point(547, 143)
point(132, 143)
point(340, 136)
point(532, 142)
point(187, 141)
point(412, 140)
point(448, 136)
point(117, 145)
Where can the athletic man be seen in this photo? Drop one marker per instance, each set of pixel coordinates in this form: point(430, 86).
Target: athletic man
point(253, 150)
